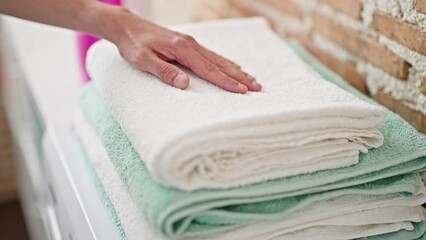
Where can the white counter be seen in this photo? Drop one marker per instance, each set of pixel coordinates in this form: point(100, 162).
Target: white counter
point(41, 90)
point(48, 58)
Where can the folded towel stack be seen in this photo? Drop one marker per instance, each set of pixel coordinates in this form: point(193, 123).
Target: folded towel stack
point(207, 138)
point(301, 159)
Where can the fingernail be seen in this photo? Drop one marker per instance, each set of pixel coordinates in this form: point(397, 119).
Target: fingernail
point(180, 81)
point(242, 87)
point(256, 85)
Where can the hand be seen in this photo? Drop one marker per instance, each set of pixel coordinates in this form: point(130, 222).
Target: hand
point(151, 48)
point(145, 45)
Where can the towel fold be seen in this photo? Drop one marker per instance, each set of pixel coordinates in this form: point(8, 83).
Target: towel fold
point(345, 217)
point(346, 232)
point(205, 137)
point(418, 233)
point(177, 214)
point(364, 218)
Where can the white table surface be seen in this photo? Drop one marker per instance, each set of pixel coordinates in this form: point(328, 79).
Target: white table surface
point(47, 57)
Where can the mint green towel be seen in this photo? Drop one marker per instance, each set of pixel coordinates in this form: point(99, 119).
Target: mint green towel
point(178, 213)
point(407, 182)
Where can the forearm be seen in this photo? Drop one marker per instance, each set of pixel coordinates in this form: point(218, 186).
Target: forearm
point(145, 45)
point(82, 15)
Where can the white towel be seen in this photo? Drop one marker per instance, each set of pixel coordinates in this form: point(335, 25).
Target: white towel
point(359, 215)
point(345, 232)
point(359, 224)
point(205, 137)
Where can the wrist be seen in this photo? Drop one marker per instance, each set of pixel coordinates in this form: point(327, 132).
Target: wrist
point(107, 21)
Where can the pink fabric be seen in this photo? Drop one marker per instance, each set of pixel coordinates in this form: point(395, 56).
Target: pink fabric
point(84, 41)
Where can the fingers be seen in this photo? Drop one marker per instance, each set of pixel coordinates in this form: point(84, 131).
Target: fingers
point(208, 70)
point(203, 61)
point(219, 56)
point(230, 68)
point(165, 71)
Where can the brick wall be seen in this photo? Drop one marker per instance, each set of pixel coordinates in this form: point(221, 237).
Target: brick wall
point(378, 46)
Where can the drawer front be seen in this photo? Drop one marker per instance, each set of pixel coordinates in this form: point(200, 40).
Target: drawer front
point(62, 197)
point(79, 210)
point(30, 197)
point(27, 129)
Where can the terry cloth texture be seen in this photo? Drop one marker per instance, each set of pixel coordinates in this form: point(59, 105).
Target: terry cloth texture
point(204, 137)
point(352, 216)
point(176, 213)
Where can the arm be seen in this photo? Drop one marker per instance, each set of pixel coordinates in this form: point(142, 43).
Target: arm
point(145, 45)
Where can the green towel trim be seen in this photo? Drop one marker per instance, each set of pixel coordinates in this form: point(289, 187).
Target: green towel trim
point(179, 214)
